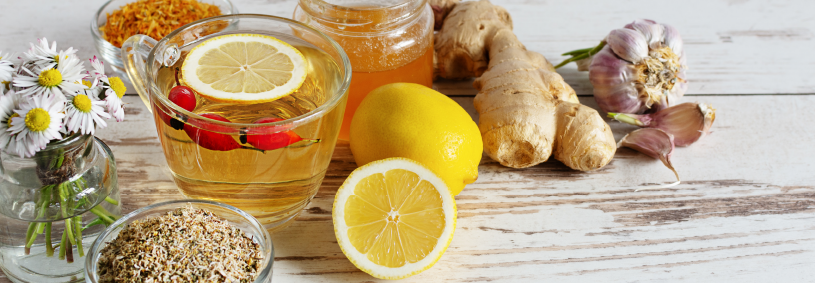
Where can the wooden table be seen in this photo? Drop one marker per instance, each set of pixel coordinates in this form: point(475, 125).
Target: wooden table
point(745, 211)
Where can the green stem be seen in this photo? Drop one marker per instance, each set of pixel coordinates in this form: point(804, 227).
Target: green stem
point(78, 230)
point(581, 54)
point(82, 183)
point(578, 51)
point(95, 222)
point(625, 119)
point(69, 225)
point(104, 214)
point(37, 227)
point(63, 199)
point(111, 201)
point(62, 246)
point(59, 161)
point(40, 228)
point(49, 248)
point(30, 236)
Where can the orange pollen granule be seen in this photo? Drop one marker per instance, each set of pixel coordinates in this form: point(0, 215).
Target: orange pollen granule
point(155, 18)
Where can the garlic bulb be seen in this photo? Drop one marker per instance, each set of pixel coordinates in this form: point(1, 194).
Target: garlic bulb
point(687, 122)
point(655, 143)
point(636, 69)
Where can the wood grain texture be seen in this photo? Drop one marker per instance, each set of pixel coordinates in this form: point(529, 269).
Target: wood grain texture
point(733, 46)
point(744, 213)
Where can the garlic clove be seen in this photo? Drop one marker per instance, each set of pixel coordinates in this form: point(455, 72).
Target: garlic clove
point(653, 32)
point(673, 40)
point(646, 21)
point(607, 69)
point(612, 79)
point(710, 115)
point(655, 143)
point(687, 122)
point(628, 44)
point(622, 98)
point(583, 64)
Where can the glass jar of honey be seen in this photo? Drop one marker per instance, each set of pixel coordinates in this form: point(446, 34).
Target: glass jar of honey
point(387, 41)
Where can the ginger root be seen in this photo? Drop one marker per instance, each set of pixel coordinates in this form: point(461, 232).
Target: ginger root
point(527, 112)
point(440, 10)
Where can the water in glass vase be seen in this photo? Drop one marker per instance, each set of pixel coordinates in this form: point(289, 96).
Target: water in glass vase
point(51, 211)
point(270, 171)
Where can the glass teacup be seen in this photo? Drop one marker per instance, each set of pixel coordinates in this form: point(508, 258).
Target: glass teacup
point(273, 185)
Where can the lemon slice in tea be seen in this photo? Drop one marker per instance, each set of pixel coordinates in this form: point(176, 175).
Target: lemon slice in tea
point(394, 218)
point(244, 68)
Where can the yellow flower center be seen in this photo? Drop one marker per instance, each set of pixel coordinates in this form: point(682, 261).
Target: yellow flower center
point(82, 103)
point(56, 58)
point(37, 120)
point(86, 83)
point(8, 122)
point(117, 86)
point(50, 78)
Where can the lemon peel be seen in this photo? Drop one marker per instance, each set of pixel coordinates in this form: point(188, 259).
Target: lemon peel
point(417, 122)
point(244, 68)
point(394, 218)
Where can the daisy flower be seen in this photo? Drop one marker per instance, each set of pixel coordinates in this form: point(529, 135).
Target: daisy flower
point(98, 68)
point(65, 79)
point(84, 113)
point(37, 122)
point(7, 104)
point(45, 57)
point(114, 89)
point(6, 72)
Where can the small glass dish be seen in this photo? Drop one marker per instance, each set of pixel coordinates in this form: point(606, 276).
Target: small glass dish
point(236, 217)
point(112, 55)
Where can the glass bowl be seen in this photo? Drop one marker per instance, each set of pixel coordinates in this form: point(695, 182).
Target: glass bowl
point(112, 55)
point(236, 217)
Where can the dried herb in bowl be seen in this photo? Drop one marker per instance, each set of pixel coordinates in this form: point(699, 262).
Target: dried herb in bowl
point(184, 245)
point(155, 18)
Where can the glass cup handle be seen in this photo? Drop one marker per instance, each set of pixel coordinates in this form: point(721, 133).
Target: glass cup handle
point(134, 56)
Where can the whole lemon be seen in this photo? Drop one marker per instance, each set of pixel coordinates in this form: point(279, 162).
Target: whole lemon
point(414, 121)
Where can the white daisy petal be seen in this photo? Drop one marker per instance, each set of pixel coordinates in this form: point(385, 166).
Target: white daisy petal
point(7, 104)
point(45, 79)
point(84, 113)
point(98, 68)
point(32, 138)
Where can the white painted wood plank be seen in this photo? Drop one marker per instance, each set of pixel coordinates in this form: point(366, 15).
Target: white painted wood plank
point(743, 214)
point(733, 46)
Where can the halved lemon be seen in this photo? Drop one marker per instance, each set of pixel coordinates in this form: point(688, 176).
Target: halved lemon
point(394, 218)
point(244, 68)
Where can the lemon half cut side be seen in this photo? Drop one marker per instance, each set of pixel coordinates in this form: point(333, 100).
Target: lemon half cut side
point(394, 218)
point(244, 68)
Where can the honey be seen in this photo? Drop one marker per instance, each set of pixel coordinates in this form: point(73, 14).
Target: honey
point(386, 43)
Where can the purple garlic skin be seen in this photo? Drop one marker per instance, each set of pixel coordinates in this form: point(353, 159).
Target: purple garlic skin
point(653, 142)
point(641, 69)
point(687, 122)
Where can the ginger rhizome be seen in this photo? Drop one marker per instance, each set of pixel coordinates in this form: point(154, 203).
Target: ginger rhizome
point(527, 112)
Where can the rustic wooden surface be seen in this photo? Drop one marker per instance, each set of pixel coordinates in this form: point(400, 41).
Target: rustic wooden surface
point(745, 211)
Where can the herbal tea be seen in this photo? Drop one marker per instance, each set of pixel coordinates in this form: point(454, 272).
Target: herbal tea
point(387, 42)
point(272, 175)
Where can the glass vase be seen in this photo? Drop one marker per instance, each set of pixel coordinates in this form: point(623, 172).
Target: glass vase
point(53, 206)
